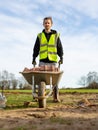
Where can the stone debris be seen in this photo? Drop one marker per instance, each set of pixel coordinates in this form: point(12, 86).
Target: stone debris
point(3, 101)
point(42, 68)
point(86, 103)
point(37, 115)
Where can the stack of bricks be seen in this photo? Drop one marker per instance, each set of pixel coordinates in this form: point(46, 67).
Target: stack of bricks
point(42, 68)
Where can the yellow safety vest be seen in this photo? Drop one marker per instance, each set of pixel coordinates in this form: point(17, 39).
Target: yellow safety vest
point(48, 48)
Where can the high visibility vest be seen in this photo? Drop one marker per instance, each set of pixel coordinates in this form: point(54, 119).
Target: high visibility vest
point(48, 48)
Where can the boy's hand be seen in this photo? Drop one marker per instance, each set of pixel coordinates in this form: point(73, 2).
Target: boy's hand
point(61, 61)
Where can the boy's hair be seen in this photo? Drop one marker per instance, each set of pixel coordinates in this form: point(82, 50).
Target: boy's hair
point(48, 18)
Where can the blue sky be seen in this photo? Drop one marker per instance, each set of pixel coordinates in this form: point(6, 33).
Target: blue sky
point(77, 22)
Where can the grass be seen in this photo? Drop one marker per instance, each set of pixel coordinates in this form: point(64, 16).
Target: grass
point(16, 98)
point(78, 90)
point(61, 120)
point(60, 90)
point(25, 128)
point(17, 90)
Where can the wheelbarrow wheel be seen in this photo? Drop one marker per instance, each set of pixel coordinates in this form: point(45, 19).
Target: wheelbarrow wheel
point(41, 95)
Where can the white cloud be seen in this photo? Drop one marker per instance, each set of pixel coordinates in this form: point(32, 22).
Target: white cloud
point(88, 7)
point(80, 53)
point(20, 21)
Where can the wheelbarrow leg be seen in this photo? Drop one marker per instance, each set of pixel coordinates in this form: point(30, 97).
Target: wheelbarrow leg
point(55, 91)
point(56, 94)
point(33, 89)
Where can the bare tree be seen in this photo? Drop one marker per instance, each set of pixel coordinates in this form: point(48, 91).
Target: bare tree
point(92, 77)
point(90, 81)
point(83, 81)
point(4, 79)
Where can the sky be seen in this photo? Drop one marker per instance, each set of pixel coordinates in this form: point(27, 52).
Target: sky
point(75, 20)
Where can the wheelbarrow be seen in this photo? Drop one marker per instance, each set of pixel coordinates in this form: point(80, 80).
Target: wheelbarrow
point(41, 79)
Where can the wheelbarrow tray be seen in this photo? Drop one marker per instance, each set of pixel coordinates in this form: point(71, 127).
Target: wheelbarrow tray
point(42, 76)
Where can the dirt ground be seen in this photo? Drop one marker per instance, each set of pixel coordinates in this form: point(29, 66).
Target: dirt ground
point(75, 112)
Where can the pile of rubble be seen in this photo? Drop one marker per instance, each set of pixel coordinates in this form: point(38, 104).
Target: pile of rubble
point(42, 68)
point(87, 103)
point(2, 101)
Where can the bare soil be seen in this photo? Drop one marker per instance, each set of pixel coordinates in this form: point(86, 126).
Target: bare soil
point(75, 112)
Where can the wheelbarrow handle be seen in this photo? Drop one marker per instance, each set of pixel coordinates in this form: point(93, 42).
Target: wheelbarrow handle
point(34, 64)
point(59, 64)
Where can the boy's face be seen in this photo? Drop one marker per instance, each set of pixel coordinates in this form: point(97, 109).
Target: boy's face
point(47, 24)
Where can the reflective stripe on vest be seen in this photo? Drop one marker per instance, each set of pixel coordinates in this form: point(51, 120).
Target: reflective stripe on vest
point(48, 48)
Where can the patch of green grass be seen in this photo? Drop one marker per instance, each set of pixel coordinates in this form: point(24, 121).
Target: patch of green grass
point(17, 100)
point(25, 128)
point(60, 120)
point(20, 128)
point(16, 91)
point(57, 120)
point(71, 90)
point(78, 90)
